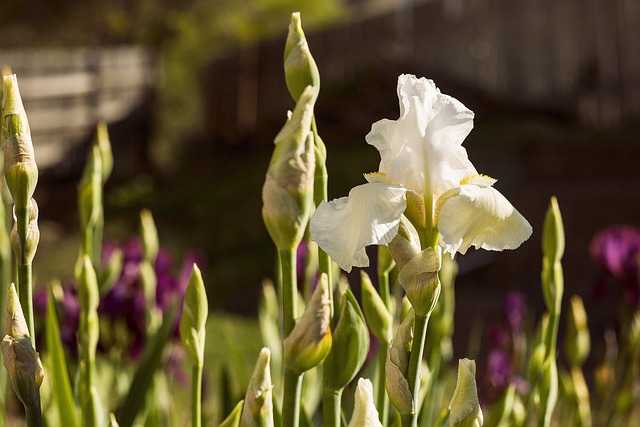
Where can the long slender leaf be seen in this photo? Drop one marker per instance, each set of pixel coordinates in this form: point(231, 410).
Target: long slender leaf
point(143, 376)
point(67, 411)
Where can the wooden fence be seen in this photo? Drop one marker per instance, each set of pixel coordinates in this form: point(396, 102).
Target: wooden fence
point(67, 91)
point(581, 57)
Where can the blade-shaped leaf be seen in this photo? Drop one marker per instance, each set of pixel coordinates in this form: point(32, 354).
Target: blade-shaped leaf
point(67, 412)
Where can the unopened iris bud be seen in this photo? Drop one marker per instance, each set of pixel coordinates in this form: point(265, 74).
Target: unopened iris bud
point(258, 402)
point(365, 413)
point(106, 154)
point(195, 310)
point(26, 254)
point(553, 248)
point(350, 345)
point(300, 68)
point(377, 314)
point(405, 245)
point(18, 355)
point(149, 234)
point(465, 408)
point(20, 169)
point(109, 275)
point(577, 339)
point(287, 193)
point(397, 366)
point(419, 278)
point(90, 189)
point(88, 298)
point(309, 342)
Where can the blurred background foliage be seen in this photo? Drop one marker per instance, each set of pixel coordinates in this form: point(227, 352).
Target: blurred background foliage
point(183, 34)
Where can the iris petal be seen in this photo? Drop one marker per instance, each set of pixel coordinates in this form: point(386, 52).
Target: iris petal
point(424, 146)
point(481, 216)
point(368, 216)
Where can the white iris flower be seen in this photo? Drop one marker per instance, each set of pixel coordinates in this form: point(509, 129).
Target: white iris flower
point(424, 174)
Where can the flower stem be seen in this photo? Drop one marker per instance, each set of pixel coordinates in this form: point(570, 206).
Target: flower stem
point(291, 402)
point(289, 289)
point(320, 194)
point(382, 400)
point(34, 414)
point(196, 395)
point(292, 381)
point(25, 277)
point(25, 293)
point(415, 361)
point(331, 407)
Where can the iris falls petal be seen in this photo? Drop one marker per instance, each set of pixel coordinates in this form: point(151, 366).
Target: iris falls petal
point(368, 216)
point(477, 214)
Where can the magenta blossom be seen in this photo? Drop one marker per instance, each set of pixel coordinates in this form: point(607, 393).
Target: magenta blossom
point(617, 250)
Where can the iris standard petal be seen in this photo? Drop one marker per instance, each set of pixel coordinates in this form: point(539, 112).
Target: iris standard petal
point(479, 215)
point(422, 150)
point(368, 216)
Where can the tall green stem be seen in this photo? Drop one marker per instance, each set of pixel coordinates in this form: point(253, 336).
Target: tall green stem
point(292, 381)
point(25, 278)
point(34, 414)
point(320, 194)
point(415, 361)
point(25, 293)
point(196, 395)
point(289, 289)
point(382, 400)
point(331, 407)
point(291, 400)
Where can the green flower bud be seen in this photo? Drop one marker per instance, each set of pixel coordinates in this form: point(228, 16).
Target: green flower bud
point(577, 339)
point(18, 355)
point(419, 278)
point(88, 299)
point(287, 193)
point(300, 69)
point(397, 366)
point(350, 345)
point(377, 314)
point(109, 275)
point(25, 255)
point(106, 154)
point(309, 342)
point(90, 189)
point(405, 245)
point(465, 408)
point(195, 310)
point(20, 169)
point(149, 234)
point(553, 249)
point(365, 413)
point(258, 402)
point(385, 261)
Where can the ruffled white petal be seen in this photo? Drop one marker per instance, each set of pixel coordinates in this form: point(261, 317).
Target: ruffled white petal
point(422, 150)
point(365, 413)
point(481, 216)
point(368, 216)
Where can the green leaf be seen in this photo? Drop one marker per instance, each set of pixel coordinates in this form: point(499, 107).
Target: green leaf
point(143, 376)
point(59, 376)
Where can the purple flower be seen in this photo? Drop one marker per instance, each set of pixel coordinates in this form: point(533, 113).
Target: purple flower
point(617, 250)
point(516, 310)
point(123, 309)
